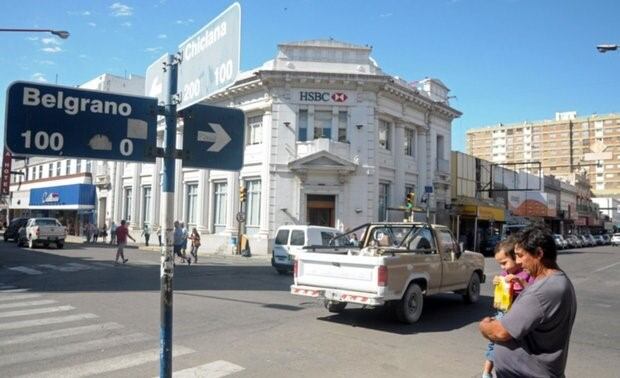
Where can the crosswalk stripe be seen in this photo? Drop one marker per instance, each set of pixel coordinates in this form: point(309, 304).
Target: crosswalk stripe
point(59, 268)
point(18, 297)
point(69, 349)
point(47, 335)
point(26, 270)
point(13, 291)
point(214, 369)
point(84, 266)
point(108, 364)
point(44, 310)
point(26, 304)
point(46, 321)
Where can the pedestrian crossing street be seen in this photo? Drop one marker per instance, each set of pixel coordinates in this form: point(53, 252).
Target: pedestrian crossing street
point(40, 337)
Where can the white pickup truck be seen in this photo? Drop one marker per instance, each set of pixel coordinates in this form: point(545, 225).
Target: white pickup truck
point(395, 264)
point(42, 231)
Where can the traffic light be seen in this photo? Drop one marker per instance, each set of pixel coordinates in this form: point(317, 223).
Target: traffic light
point(410, 200)
point(242, 194)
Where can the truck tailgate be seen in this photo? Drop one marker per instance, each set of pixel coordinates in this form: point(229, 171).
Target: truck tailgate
point(324, 270)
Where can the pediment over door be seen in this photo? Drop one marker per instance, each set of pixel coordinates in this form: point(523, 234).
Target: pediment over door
point(322, 162)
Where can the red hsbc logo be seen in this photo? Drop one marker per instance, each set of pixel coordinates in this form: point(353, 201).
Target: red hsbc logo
point(339, 97)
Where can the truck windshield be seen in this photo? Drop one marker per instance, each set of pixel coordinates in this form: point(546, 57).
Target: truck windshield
point(46, 222)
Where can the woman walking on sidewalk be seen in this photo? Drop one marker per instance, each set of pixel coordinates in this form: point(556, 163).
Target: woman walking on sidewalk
point(195, 238)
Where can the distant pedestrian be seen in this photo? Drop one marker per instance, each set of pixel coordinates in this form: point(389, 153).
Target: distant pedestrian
point(122, 233)
point(113, 233)
point(532, 339)
point(95, 233)
point(104, 233)
point(159, 235)
point(178, 243)
point(146, 231)
point(195, 238)
point(185, 236)
point(88, 232)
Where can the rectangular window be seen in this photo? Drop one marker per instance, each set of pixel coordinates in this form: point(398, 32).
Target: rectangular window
point(298, 237)
point(409, 142)
point(384, 190)
point(219, 206)
point(146, 205)
point(50, 170)
point(384, 134)
point(89, 166)
point(302, 123)
point(40, 171)
point(322, 125)
point(67, 167)
point(282, 237)
point(255, 130)
point(253, 206)
point(127, 203)
point(343, 120)
point(191, 204)
point(78, 166)
point(57, 168)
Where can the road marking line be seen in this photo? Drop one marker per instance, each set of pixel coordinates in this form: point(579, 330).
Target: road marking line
point(60, 333)
point(85, 266)
point(13, 291)
point(69, 349)
point(59, 268)
point(26, 304)
point(21, 296)
point(45, 310)
point(214, 369)
point(109, 364)
point(606, 267)
point(46, 321)
point(23, 269)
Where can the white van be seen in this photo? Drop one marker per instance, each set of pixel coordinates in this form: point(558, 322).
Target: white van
point(291, 239)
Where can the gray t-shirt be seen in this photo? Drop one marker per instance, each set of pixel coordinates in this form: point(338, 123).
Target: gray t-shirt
point(540, 322)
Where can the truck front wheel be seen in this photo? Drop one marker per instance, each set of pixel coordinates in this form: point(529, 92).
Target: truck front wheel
point(472, 293)
point(335, 306)
point(409, 308)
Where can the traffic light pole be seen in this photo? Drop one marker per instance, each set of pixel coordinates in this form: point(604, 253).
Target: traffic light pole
point(167, 186)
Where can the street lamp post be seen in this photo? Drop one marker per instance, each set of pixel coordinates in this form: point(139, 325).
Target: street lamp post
point(604, 48)
point(59, 33)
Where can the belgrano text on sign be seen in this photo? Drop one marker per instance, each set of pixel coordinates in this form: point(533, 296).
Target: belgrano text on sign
point(74, 105)
point(203, 42)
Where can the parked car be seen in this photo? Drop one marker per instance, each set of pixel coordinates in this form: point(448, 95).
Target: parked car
point(12, 230)
point(593, 242)
point(606, 239)
point(560, 242)
point(615, 239)
point(42, 231)
point(599, 239)
point(291, 239)
point(574, 241)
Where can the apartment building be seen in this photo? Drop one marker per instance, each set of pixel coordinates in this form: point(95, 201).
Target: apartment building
point(566, 144)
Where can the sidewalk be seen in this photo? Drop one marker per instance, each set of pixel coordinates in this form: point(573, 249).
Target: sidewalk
point(155, 248)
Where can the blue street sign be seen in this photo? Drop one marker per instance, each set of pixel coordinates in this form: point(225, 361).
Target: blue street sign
point(210, 58)
point(428, 189)
point(213, 137)
point(51, 120)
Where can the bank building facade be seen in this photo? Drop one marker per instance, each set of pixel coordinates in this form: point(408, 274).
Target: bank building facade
point(330, 139)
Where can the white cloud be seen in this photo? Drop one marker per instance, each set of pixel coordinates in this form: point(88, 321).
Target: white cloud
point(38, 76)
point(50, 41)
point(92, 24)
point(153, 49)
point(185, 22)
point(83, 56)
point(119, 9)
point(126, 24)
point(385, 15)
point(33, 38)
point(86, 13)
point(54, 49)
point(162, 36)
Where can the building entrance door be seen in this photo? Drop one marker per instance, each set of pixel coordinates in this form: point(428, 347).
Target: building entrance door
point(101, 212)
point(320, 210)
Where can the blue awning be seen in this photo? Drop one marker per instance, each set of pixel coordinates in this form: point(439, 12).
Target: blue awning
point(76, 196)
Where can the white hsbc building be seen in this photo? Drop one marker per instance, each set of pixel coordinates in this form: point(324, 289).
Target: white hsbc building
point(329, 140)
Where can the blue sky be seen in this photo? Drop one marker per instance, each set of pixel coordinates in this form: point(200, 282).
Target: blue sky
point(504, 60)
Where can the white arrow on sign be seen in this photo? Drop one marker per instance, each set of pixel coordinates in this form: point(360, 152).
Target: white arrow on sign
point(219, 137)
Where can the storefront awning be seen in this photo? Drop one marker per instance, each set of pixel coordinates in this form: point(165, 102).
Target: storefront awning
point(65, 197)
point(481, 210)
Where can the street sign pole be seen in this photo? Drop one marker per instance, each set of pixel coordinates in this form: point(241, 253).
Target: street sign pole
point(167, 257)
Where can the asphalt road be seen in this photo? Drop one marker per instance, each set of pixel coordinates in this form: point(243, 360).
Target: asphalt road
point(72, 312)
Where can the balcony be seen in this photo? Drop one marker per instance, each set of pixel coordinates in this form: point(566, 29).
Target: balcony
point(342, 150)
point(101, 175)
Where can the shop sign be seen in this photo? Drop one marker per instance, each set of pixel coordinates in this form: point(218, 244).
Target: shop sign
point(6, 173)
point(53, 197)
point(323, 96)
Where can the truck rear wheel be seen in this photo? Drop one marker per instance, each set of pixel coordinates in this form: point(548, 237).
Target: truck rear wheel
point(335, 306)
point(409, 308)
point(472, 293)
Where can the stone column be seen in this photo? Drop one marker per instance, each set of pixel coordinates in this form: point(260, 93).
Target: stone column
point(137, 197)
point(399, 171)
point(232, 203)
point(203, 201)
point(265, 181)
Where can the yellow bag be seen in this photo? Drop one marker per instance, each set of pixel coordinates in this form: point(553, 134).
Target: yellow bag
point(502, 297)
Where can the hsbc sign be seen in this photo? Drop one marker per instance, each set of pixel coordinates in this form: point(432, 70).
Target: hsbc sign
point(322, 96)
